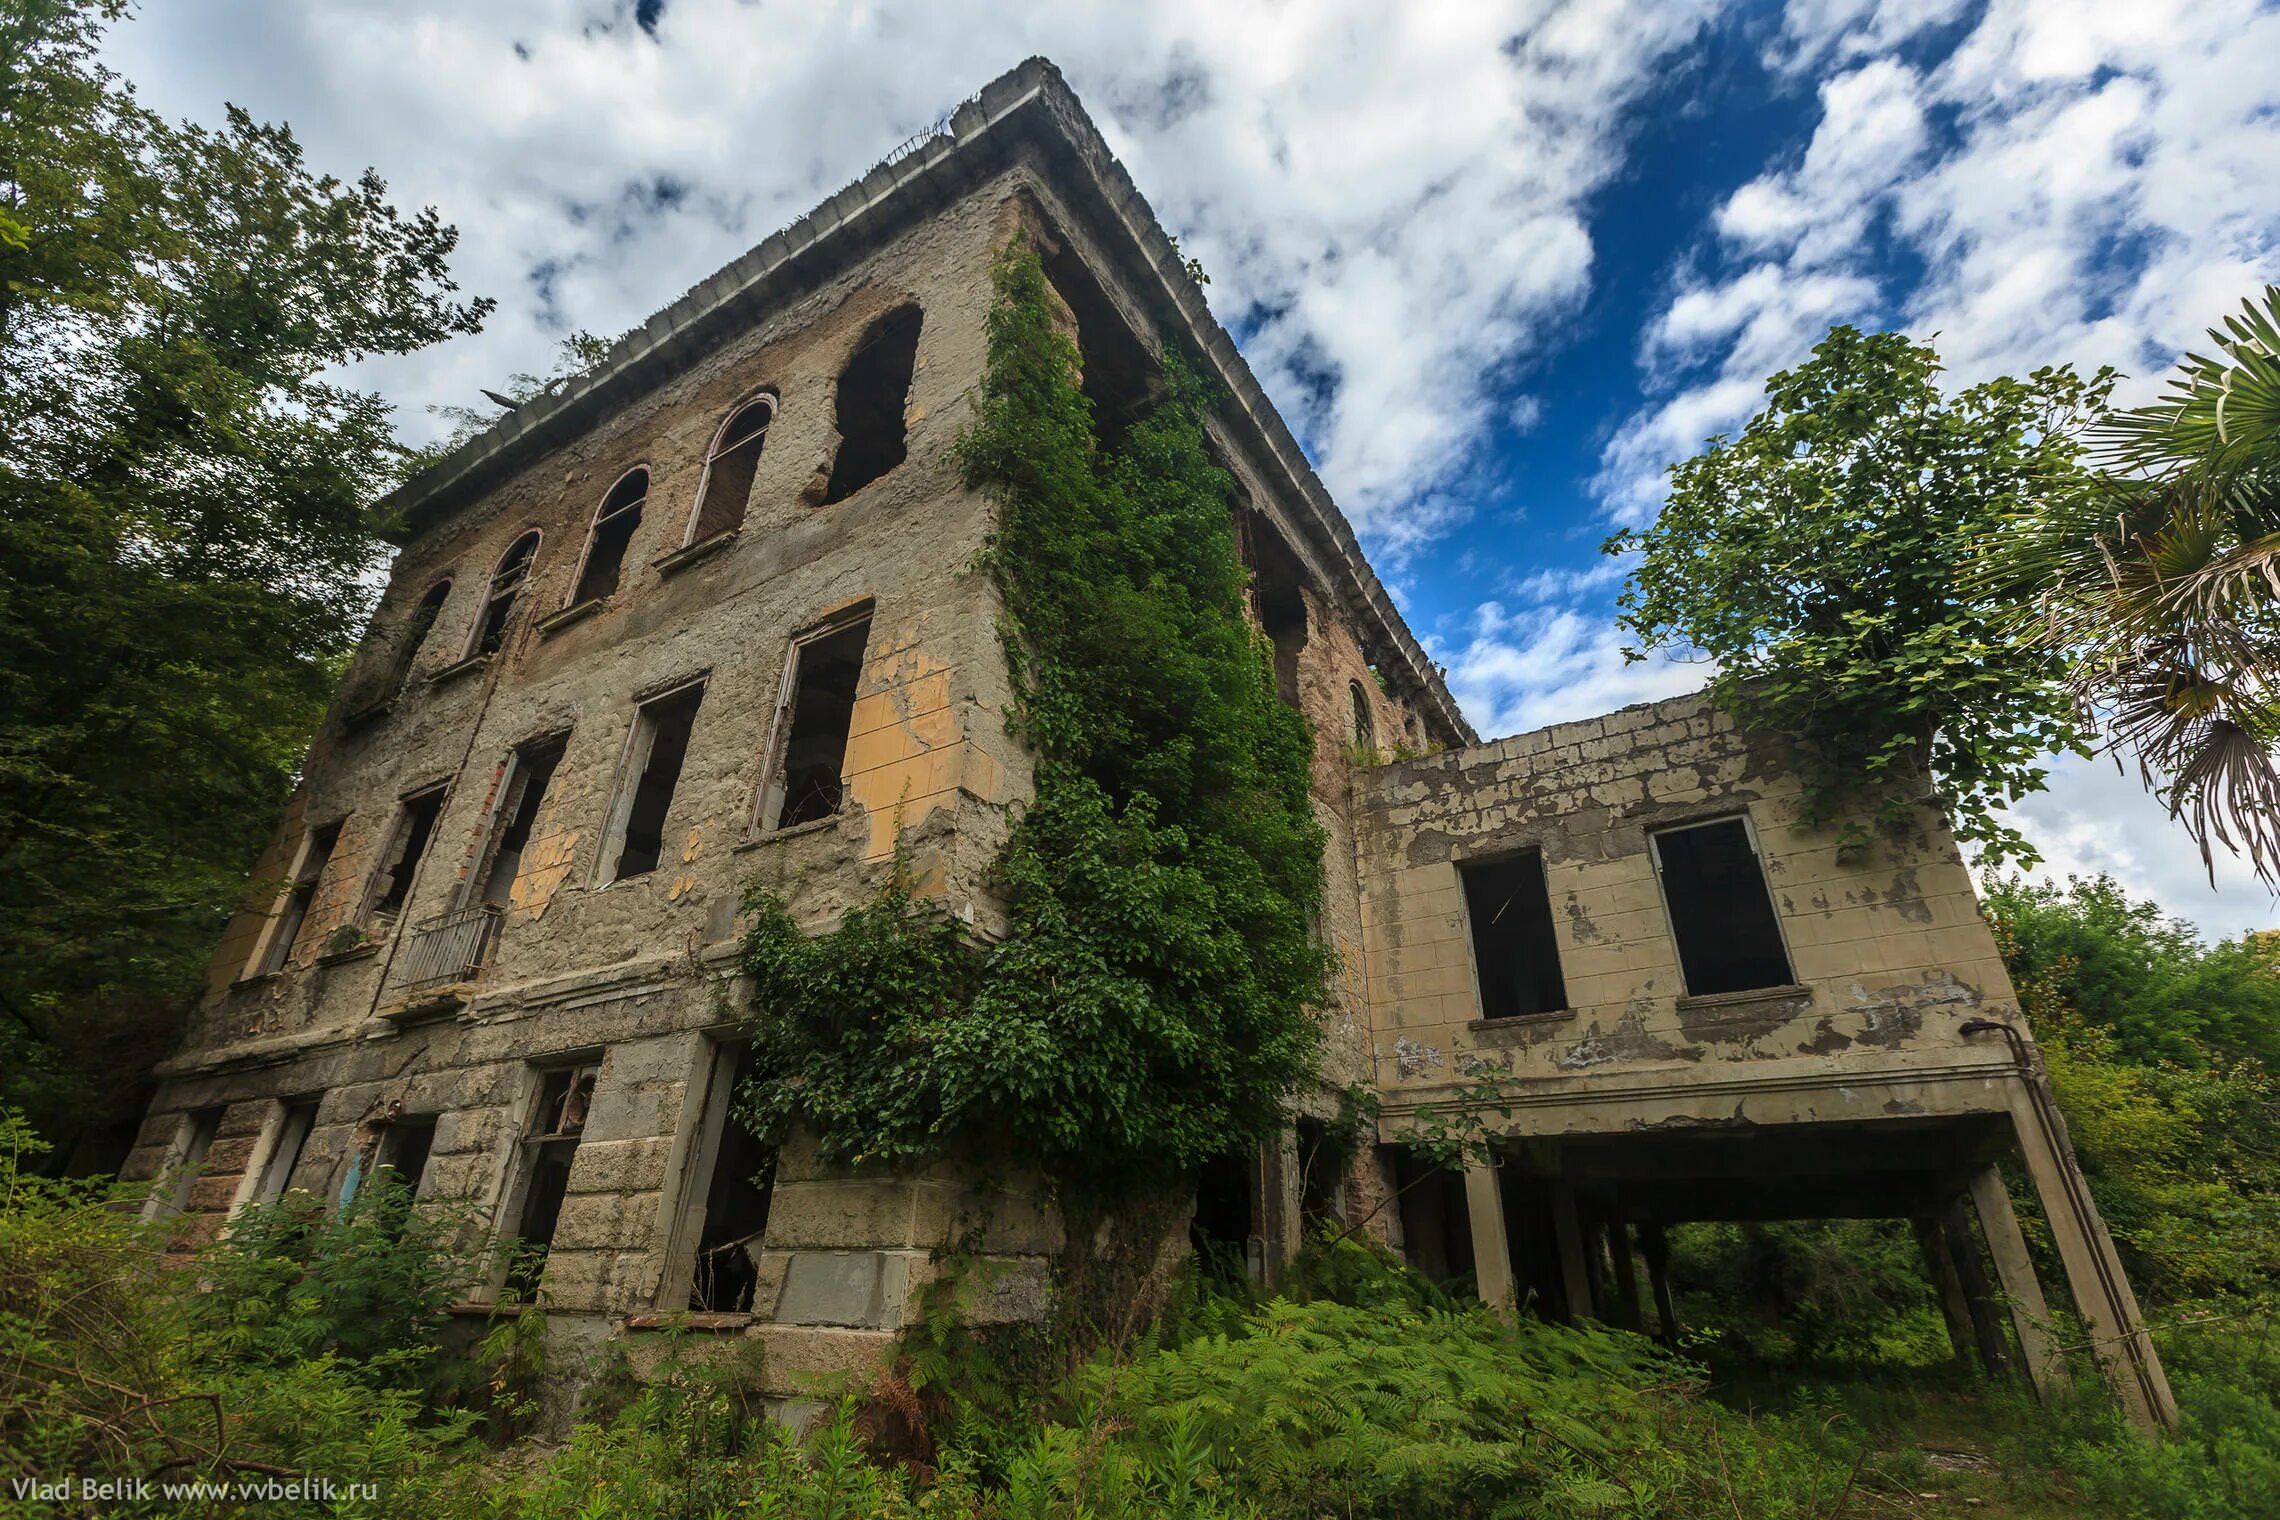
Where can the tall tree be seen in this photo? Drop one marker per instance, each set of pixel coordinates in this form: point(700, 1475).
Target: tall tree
point(2160, 583)
point(1819, 558)
point(186, 526)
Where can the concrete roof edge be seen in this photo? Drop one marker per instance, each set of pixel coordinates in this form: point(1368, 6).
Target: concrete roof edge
point(552, 416)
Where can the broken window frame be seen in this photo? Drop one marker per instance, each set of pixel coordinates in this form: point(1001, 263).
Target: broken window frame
point(883, 329)
point(284, 1142)
point(1363, 722)
point(709, 1122)
point(633, 771)
point(194, 1136)
point(608, 515)
point(375, 916)
point(768, 806)
point(721, 448)
point(424, 616)
point(289, 915)
point(1672, 916)
point(505, 588)
point(1549, 939)
point(550, 1131)
point(506, 806)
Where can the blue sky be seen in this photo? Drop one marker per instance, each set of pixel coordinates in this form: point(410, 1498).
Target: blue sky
point(1499, 261)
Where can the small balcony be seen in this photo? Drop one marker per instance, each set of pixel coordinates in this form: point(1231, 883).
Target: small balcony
point(443, 953)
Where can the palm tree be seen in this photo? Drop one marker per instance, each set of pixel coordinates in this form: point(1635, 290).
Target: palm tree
point(2159, 586)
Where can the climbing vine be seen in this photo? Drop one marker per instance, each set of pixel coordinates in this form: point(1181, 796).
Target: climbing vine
point(1148, 1008)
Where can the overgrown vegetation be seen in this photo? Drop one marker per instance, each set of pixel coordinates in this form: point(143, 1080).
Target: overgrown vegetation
point(1821, 559)
point(185, 529)
point(1148, 1008)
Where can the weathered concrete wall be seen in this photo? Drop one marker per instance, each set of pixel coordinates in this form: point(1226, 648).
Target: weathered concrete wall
point(1889, 950)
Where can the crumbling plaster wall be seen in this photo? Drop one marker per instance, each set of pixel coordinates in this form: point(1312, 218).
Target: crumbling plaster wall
point(626, 972)
point(1888, 947)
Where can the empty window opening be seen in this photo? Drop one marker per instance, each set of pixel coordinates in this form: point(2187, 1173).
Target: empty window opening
point(416, 631)
point(1278, 597)
point(873, 391)
point(1225, 1232)
point(736, 1197)
point(506, 589)
point(1516, 954)
point(730, 467)
point(1721, 911)
point(404, 1149)
point(549, 1146)
point(1321, 1175)
point(515, 817)
point(1363, 730)
point(614, 522)
point(191, 1143)
point(415, 829)
point(660, 744)
point(293, 913)
point(1120, 376)
point(818, 707)
point(291, 1138)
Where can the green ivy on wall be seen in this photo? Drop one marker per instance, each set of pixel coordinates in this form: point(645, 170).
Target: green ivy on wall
point(1149, 1007)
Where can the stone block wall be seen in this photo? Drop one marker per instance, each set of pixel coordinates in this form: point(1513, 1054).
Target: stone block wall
point(1887, 946)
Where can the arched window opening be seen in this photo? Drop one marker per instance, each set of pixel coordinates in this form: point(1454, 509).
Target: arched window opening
point(416, 631)
point(874, 390)
point(1364, 730)
point(619, 515)
point(1278, 596)
point(729, 469)
point(507, 584)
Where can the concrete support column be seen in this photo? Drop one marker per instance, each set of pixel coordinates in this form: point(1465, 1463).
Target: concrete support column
point(1575, 1277)
point(2030, 1316)
point(1939, 1266)
point(1492, 1252)
point(2102, 1293)
point(1626, 1277)
point(1277, 1204)
point(1655, 1247)
point(1978, 1294)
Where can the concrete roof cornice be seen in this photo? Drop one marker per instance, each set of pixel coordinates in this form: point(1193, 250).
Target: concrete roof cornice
point(1030, 105)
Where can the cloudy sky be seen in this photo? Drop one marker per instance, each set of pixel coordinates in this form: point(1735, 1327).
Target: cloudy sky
point(1499, 263)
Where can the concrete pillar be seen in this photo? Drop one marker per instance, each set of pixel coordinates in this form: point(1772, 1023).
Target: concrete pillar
point(1575, 1278)
point(1655, 1247)
point(1939, 1266)
point(1492, 1252)
point(2102, 1293)
point(2030, 1316)
point(1978, 1294)
point(1280, 1222)
point(1626, 1277)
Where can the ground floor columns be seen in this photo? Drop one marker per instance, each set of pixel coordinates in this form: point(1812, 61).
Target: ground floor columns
point(1492, 1252)
point(2102, 1293)
point(1939, 1266)
point(2022, 1291)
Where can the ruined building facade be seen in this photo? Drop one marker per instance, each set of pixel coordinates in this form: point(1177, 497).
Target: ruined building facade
point(713, 613)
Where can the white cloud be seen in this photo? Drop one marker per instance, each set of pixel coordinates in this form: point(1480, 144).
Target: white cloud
point(2100, 193)
point(2098, 820)
point(1521, 670)
point(1389, 197)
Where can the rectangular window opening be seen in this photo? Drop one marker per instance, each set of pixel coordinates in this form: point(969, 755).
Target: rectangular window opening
point(660, 743)
point(292, 1138)
point(549, 1146)
point(1721, 910)
point(1516, 953)
point(415, 828)
point(736, 1196)
point(529, 772)
point(192, 1142)
point(818, 708)
point(294, 912)
point(404, 1148)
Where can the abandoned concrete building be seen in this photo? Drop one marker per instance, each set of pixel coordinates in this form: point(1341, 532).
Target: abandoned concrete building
point(710, 614)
